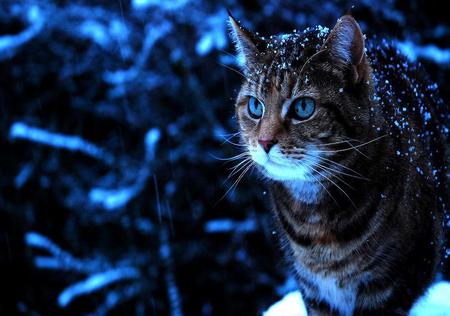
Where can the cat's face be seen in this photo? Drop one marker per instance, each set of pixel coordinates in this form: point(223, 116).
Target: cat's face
point(304, 96)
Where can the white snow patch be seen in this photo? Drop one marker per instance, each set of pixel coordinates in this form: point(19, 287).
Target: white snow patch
point(290, 305)
point(436, 302)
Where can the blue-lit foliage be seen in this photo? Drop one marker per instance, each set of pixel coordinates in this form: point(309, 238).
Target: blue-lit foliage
point(114, 116)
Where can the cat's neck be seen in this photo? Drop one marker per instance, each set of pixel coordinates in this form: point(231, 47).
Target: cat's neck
point(303, 191)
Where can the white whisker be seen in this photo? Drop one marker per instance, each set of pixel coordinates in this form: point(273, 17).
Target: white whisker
point(329, 172)
point(318, 181)
point(239, 167)
point(347, 149)
point(233, 143)
point(232, 158)
point(337, 186)
point(336, 170)
point(235, 184)
point(357, 174)
point(340, 165)
point(333, 143)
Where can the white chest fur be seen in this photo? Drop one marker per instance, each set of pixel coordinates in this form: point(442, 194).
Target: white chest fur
point(340, 297)
point(303, 191)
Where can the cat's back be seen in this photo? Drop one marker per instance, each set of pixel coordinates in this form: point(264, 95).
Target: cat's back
point(416, 121)
point(406, 94)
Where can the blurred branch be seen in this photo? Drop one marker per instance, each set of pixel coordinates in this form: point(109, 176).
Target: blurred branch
point(163, 5)
point(116, 297)
point(430, 52)
point(109, 199)
point(61, 259)
point(96, 282)
point(23, 175)
point(20, 130)
point(9, 44)
point(112, 199)
point(152, 34)
point(173, 293)
point(101, 274)
point(229, 226)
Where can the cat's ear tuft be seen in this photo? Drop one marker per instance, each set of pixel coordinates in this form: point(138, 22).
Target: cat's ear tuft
point(346, 43)
point(247, 44)
point(346, 40)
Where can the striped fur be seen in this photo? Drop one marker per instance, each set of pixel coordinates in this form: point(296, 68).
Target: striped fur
point(361, 223)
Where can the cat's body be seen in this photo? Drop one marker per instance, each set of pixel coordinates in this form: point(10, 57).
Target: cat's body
point(356, 185)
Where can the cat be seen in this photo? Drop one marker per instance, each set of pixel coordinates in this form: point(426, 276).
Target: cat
point(351, 140)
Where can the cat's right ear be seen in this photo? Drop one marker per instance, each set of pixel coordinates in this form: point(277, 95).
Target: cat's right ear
point(248, 45)
point(346, 44)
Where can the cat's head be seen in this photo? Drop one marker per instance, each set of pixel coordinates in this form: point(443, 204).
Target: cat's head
point(302, 92)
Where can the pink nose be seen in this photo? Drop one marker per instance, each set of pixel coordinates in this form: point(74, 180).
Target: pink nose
point(267, 144)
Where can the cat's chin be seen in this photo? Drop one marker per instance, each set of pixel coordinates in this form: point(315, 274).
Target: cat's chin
point(296, 179)
point(281, 172)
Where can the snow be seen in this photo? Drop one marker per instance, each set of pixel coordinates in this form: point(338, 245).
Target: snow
point(115, 198)
point(114, 298)
point(95, 31)
point(152, 35)
point(164, 5)
point(151, 140)
point(56, 258)
point(228, 225)
point(20, 130)
point(173, 292)
point(436, 302)
point(215, 36)
point(82, 81)
point(430, 52)
point(290, 305)
point(99, 274)
point(34, 239)
point(96, 282)
point(112, 199)
point(23, 175)
point(10, 43)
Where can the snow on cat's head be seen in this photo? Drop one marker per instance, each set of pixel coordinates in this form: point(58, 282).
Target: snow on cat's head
point(301, 94)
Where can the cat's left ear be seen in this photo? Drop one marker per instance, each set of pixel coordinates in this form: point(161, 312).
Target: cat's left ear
point(345, 43)
point(248, 45)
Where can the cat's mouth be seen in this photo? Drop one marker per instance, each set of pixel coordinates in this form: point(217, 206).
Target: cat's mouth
point(279, 167)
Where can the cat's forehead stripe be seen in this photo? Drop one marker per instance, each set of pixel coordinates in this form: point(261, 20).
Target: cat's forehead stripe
point(285, 55)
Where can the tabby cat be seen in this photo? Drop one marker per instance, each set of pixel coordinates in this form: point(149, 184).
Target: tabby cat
point(351, 140)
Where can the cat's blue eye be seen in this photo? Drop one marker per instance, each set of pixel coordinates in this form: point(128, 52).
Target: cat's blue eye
point(303, 108)
point(255, 108)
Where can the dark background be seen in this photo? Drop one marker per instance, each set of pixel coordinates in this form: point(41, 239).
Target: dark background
point(112, 116)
